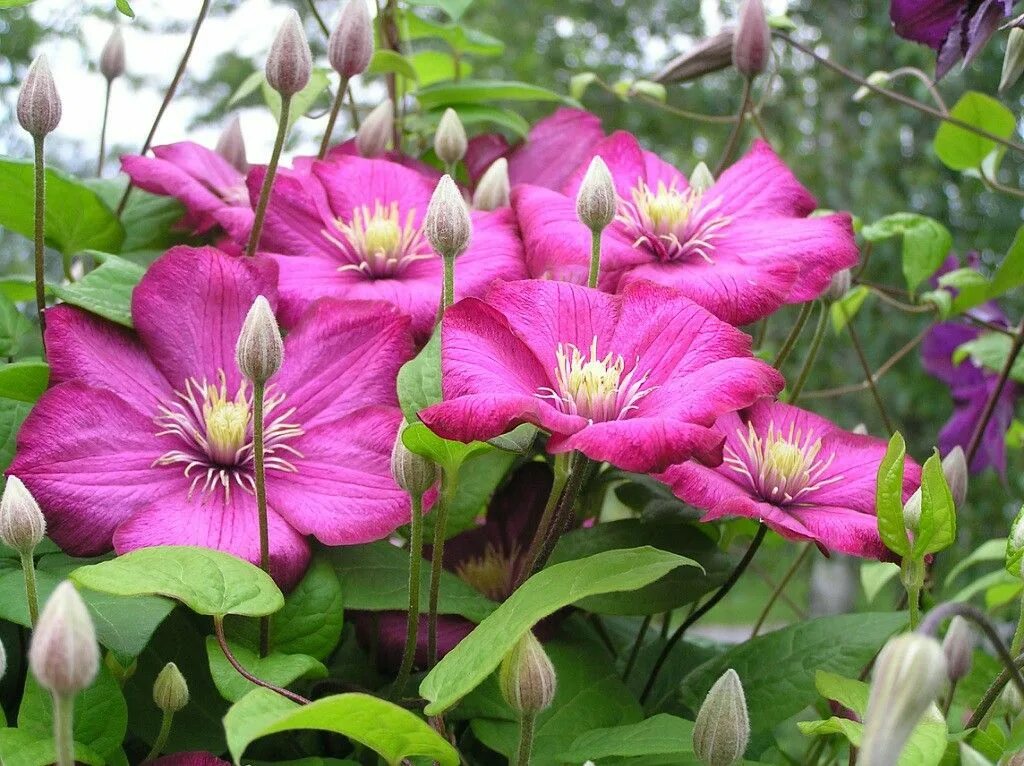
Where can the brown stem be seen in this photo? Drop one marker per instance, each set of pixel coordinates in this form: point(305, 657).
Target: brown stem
point(869, 376)
point(218, 629)
point(40, 234)
point(737, 128)
point(826, 393)
point(103, 131)
point(993, 400)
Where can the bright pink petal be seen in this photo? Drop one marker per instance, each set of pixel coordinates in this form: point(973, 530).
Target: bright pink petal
point(643, 444)
point(760, 184)
point(482, 151)
point(657, 171)
point(303, 280)
point(352, 182)
point(495, 252)
point(625, 159)
point(842, 530)
point(201, 163)
point(293, 223)
point(555, 148)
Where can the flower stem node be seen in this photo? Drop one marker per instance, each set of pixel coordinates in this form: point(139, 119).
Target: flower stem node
point(64, 656)
point(112, 56)
point(413, 473)
point(722, 729)
point(375, 132)
point(450, 142)
point(447, 224)
point(752, 43)
point(22, 525)
point(958, 646)
point(596, 201)
point(909, 675)
point(39, 107)
point(170, 690)
point(527, 677)
point(260, 350)
point(350, 46)
point(493, 189)
point(231, 146)
point(289, 62)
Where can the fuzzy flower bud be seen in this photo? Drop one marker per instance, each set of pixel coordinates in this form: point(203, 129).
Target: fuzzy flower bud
point(701, 178)
point(447, 224)
point(527, 677)
point(64, 655)
point(1013, 62)
point(722, 729)
point(958, 645)
point(289, 62)
point(170, 690)
point(112, 56)
point(3, 660)
point(22, 525)
point(753, 40)
point(39, 106)
point(350, 46)
point(839, 285)
point(493, 188)
point(954, 468)
point(711, 54)
point(596, 200)
point(413, 473)
point(260, 349)
point(375, 132)
point(450, 142)
point(1010, 700)
point(910, 673)
point(231, 146)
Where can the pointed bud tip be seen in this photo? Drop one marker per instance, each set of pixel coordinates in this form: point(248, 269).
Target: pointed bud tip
point(450, 142)
point(526, 676)
point(22, 525)
point(701, 179)
point(596, 200)
point(958, 646)
point(39, 106)
point(375, 132)
point(231, 145)
point(493, 190)
point(954, 468)
point(752, 43)
point(447, 224)
point(350, 47)
point(260, 350)
point(64, 655)
point(722, 729)
point(112, 55)
point(170, 690)
point(290, 62)
point(839, 285)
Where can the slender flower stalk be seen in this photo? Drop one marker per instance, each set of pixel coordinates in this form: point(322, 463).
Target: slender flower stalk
point(112, 67)
point(990, 406)
point(812, 355)
point(170, 695)
point(561, 477)
point(596, 204)
point(448, 227)
point(436, 565)
point(737, 128)
point(794, 334)
point(22, 527)
point(63, 728)
point(332, 117)
point(39, 234)
point(527, 726)
point(258, 451)
point(103, 130)
point(268, 179)
point(28, 568)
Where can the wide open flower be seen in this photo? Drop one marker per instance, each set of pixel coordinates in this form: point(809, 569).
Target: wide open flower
point(742, 248)
point(800, 474)
point(635, 379)
point(146, 437)
point(212, 190)
point(353, 228)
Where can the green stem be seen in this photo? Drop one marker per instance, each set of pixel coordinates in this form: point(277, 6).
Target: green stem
point(436, 568)
point(991, 695)
point(412, 625)
point(1018, 635)
point(781, 587)
point(161, 738)
point(561, 476)
point(28, 567)
point(912, 575)
point(259, 389)
point(39, 238)
point(335, 108)
point(737, 128)
point(63, 728)
point(637, 644)
point(527, 723)
point(595, 258)
point(448, 297)
point(268, 179)
point(579, 469)
point(794, 335)
point(103, 131)
point(812, 354)
point(869, 376)
point(993, 400)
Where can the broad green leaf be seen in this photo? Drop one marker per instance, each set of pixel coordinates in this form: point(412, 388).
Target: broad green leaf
point(276, 668)
point(32, 748)
point(149, 220)
point(988, 551)
point(454, 8)
point(926, 243)
point(545, 593)
point(875, 575)
point(76, 218)
point(14, 326)
point(991, 349)
point(845, 309)
point(24, 381)
point(937, 528)
point(302, 101)
point(778, 669)
point(961, 149)
point(437, 66)
point(207, 581)
point(375, 577)
point(661, 734)
point(393, 732)
point(124, 7)
point(889, 498)
point(106, 290)
point(12, 415)
point(249, 85)
point(1015, 546)
point(386, 61)
point(973, 289)
point(18, 290)
point(926, 745)
point(459, 38)
point(481, 114)
point(419, 379)
point(847, 692)
point(484, 92)
point(14, 3)
point(579, 83)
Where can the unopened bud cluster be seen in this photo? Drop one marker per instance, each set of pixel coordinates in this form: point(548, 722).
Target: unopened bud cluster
point(39, 107)
point(527, 677)
point(596, 201)
point(722, 729)
point(64, 655)
point(447, 224)
point(350, 46)
point(22, 525)
point(289, 63)
point(260, 350)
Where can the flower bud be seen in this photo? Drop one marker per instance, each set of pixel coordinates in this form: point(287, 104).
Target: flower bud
point(701, 178)
point(413, 473)
point(1010, 700)
point(375, 132)
point(596, 200)
point(3, 660)
point(752, 44)
point(1017, 759)
point(112, 56)
point(350, 46)
point(910, 673)
point(38, 102)
point(64, 655)
point(450, 142)
point(912, 511)
point(958, 646)
point(709, 55)
point(1013, 61)
point(839, 285)
point(289, 62)
point(954, 468)
point(722, 729)
point(447, 224)
point(260, 350)
point(527, 677)
point(170, 690)
point(879, 79)
point(493, 188)
point(231, 146)
point(22, 525)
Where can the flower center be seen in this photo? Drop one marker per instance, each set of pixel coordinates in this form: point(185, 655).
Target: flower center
point(377, 243)
point(782, 467)
point(492, 573)
point(598, 389)
point(214, 431)
point(676, 224)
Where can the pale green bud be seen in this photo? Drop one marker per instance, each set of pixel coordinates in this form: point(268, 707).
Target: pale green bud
point(39, 107)
point(447, 224)
point(450, 142)
point(958, 646)
point(493, 189)
point(375, 132)
point(289, 63)
point(112, 56)
point(170, 690)
point(1013, 61)
point(722, 729)
point(22, 525)
point(527, 677)
point(413, 473)
point(701, 179)
point(350, 46)
point(231, 146)
point(260, 350)
point(596, 200)
point(954, 468)
point(64, 656)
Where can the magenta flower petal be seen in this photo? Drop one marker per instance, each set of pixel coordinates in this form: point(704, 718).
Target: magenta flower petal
point(760, 184)
point(555, 148)
point(389, 640)
point(625, 159)
point(482, 151)
point(642, 444)
point(189, 759)
point(925, 21)
point(345, 183)
point(293, 224)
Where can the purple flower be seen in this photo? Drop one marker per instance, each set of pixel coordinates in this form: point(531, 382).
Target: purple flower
point(146, 438)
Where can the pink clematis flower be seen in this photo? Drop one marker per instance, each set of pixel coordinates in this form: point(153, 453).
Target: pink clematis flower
point(636, 379)
point(146, 437)
point(212, 190)
point(741, 248)
point(800, 474)
point(353, 228)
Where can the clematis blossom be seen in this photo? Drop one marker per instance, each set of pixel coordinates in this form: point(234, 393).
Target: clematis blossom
point(742, 248)
point(145, 437)
point(635, 379)
point(797, 472)
point(353, 228)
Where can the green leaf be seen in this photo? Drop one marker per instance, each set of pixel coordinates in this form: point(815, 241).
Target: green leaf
point(207, 581)
point(925, 747)
point(484, 92)
point(875, 575)
point(846, 691)
point(76, 218)
point(375, 577)
point(125, 8)
point(276, 668)
point(654, 90)
point(546, 592)
point(302, 101)
point(778, 669)
point(459, 38)
point(249, 85)
point(14, 326)
point(32, 748)
point(454, 8)
point(436, 66)
point(419, 379)
point(479, 114)
point(889, 497)
point(12, 415)
point(24, 381)
point(106, 290)
point(991, 349)
point(391, 731)
point(1015, 546)
point(961, 149)
point(386, 61)
point(579, 83)
point(661, 734)
point(937, 527)
point(988, 551)
point(479, 476)
point(926, 243)
point(148, 219)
